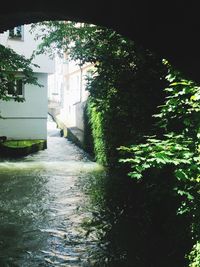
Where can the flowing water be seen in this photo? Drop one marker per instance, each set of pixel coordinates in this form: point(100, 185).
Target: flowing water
point(41, 206)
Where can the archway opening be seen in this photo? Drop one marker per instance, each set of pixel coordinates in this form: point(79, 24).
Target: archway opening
point(107, 109)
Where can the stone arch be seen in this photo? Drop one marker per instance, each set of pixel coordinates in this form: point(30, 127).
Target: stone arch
point(170, 30)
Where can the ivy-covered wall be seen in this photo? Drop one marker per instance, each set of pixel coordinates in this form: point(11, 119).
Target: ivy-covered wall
point(122, 115)
point(124, 118)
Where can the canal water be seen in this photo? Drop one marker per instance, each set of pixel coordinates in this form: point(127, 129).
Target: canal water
point(42, 206)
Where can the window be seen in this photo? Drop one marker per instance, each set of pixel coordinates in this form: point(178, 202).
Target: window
point(16, 89)
point(16, 33)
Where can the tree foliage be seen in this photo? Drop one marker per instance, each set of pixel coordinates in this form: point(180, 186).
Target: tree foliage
point(11, 64)
point(179, 143)
point(117, 87)
point(177, 146)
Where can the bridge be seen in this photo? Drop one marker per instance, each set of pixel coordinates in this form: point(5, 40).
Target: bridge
point(170, 29)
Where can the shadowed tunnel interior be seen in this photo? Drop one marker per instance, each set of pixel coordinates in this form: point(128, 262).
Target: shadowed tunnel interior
point(171, 30)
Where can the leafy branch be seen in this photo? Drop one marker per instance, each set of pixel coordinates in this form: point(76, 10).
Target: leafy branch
point(178, 145)
point(11, 64)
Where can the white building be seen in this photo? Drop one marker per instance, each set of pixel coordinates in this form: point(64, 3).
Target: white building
point(28, 119)
point(56, 83)
point(75, 94)
point(72, 95)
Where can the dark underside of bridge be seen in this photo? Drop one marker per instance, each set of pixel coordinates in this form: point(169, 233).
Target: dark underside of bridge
point(170, 28)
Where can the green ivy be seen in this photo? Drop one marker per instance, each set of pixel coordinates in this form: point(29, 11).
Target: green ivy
point(95, 120)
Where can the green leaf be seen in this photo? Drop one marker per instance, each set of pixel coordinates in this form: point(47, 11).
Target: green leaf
point(135, 175)
point(181, 175)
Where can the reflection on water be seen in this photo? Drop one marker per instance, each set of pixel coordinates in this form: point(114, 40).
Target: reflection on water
point(41, 207)
point(47, 220)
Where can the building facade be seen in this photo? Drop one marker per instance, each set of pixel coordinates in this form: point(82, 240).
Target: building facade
point(68, 90)
point(28, 119)
point(75, 94)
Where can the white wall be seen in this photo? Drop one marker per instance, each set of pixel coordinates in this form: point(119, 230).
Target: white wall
point(26, 120)
point(22, 129)
point(56, 82)
point(75, 95)
point(26, 46)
